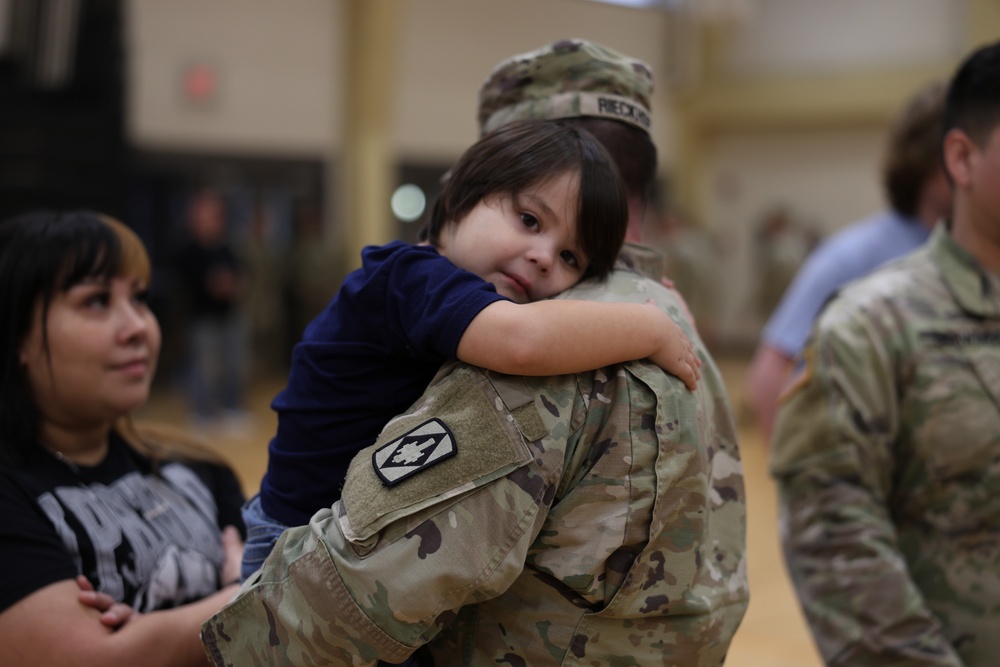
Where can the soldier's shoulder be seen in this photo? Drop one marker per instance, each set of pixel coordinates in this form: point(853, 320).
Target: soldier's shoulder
point(892, 291)
point(620, 285)
point(470, 428)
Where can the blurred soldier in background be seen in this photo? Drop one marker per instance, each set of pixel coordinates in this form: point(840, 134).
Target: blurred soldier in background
point(887, 447)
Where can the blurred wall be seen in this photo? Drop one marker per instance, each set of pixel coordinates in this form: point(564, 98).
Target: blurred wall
point(277, 67)
point(817, 157)
point(784, 105)
point(451, 47)
point(280, 68)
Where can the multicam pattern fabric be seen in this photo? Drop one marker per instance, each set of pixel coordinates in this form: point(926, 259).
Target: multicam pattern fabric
point(595, 519)
point(887, 456)
point(570, 78)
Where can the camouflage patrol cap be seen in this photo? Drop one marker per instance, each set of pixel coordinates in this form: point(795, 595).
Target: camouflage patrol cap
point(569, 78)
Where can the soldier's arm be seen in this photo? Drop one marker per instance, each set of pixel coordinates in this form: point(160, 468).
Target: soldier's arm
point(571, 336)
point(383, 571)
point(833, 460)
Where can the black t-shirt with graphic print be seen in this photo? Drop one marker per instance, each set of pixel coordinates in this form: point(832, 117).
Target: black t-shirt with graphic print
point(152, 541)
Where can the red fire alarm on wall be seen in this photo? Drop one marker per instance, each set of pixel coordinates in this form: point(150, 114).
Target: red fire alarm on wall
point(200, 84)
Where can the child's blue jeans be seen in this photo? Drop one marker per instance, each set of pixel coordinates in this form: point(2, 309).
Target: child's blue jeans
point(262, 532)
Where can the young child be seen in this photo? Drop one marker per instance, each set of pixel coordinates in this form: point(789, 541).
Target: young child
point(527, 212)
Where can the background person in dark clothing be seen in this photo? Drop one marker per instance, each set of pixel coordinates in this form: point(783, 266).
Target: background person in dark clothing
point(213, 280)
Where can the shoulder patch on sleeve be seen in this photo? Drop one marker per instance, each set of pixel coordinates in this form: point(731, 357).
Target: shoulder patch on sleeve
point(801, 374)
point(426, 445)
point(455, 438)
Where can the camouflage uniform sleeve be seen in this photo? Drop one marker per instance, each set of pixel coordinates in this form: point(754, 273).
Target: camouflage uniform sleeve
point(833, 462)
point(381, 572)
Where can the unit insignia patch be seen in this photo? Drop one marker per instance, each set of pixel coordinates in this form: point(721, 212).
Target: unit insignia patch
point(413, 452)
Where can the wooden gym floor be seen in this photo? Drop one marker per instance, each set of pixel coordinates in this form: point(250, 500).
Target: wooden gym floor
point(773, 633)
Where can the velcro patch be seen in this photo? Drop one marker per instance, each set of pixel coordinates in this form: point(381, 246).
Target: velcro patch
point(415, 451)
point(491, 447)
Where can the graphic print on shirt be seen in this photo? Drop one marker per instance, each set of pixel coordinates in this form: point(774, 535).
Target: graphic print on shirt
point(156, 536)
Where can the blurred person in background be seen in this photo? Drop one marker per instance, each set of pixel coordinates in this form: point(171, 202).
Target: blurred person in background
point(919, 197)
point(214, 281)
point(315, 271)
point(781, 243)
point(263, 302)
point(886, 449)
point(692, 255)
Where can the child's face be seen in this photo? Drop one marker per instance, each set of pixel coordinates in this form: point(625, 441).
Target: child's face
point(527, 248)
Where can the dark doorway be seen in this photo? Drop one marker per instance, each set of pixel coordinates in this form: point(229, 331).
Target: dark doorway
point(61, 105)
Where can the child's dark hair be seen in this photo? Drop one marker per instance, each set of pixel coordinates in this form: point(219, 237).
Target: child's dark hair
point(973, 101)
point(42, 254)
point(526, 153)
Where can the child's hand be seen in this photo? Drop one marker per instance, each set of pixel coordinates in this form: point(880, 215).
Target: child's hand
point(113, 614)
point(677, 355)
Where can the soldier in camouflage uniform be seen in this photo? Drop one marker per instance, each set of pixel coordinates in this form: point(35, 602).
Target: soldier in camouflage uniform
point(592, 519)
point(887, 448)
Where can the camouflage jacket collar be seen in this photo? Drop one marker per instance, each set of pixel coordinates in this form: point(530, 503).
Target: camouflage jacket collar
point(641, 258)
point(976, 290)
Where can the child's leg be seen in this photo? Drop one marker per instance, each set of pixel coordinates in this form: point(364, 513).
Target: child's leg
point(262, 533)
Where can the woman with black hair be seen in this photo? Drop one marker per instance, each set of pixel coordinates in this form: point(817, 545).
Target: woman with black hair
point(117, 541)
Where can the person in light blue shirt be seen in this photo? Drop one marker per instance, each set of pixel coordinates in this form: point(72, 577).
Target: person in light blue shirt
point(846, 255)
point(919, 197)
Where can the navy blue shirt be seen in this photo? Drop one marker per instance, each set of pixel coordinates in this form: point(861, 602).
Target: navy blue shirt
point(362, 361)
